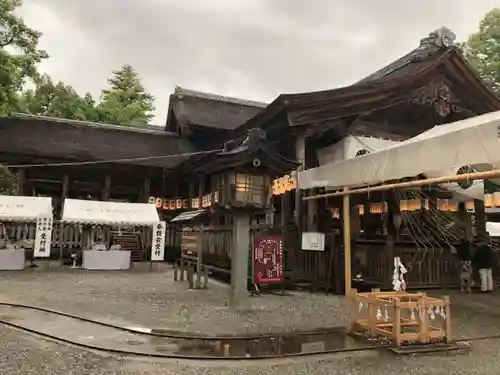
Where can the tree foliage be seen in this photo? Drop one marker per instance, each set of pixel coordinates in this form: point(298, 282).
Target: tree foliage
point(126, 102)
point(8, 182)
point(483, 49)
point(19, 55)
point(58, 100)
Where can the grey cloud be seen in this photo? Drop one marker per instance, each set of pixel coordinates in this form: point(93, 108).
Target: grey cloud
point(254, 49)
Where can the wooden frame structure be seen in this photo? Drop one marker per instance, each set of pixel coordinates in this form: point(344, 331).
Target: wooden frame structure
point(346, 193)
point(402, 318)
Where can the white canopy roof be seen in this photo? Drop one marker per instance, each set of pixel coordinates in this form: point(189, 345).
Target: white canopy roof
point(442, 148)
point(109, 213)
point(19, 208)
point(493, 228)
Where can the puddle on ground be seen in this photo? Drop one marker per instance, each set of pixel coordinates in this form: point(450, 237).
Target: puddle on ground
point(262, 347)
point(107, 338)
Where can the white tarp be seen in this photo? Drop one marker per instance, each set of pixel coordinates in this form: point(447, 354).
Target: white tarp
point(109, 213)
point(19, 208)
point(349, 147)
point(442, 148)
point(493, 228)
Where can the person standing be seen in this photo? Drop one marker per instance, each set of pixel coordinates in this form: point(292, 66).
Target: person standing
point(483, 260)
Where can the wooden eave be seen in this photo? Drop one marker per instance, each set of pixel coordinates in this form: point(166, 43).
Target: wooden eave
point(384, 92)
point(244, 156)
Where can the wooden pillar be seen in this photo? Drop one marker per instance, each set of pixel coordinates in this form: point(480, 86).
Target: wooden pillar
point(146, 190)
point(393, 210)
point(21, 182)
point(65, 186)
point(239, 260)
point(191, 193)
point(201, 187)
point(106, 190)
point(300, 156)
point(479, 217)
point(347, 243)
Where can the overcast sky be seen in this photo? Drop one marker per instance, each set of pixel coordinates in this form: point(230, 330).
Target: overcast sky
point(252, 49)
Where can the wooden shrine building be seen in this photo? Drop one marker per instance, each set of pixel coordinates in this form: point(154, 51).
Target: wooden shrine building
point(186, 164)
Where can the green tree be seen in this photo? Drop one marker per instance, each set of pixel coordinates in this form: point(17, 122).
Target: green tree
point(126, 102)
point(483, 49)
point(58, 100)
point(19, 55)
point(8, 181)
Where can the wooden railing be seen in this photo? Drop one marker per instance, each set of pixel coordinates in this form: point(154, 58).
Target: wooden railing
point(74, 236)
point(426, 267)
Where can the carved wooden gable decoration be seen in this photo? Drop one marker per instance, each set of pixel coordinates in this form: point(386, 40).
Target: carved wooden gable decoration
point(439, 95)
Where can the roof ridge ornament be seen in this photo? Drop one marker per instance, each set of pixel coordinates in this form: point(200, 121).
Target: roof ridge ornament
point(440, 38)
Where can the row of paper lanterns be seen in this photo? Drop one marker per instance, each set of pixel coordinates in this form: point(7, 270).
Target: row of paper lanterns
point(445, 205)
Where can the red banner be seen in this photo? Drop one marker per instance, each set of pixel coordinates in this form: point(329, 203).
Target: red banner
point(268, 260)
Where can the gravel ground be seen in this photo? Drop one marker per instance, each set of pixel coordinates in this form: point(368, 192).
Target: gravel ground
point(154, 300)
point(22, 354)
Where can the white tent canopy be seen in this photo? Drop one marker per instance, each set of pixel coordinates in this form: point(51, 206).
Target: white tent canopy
point(493, 229)
point(109, 213)
point(442, 148)
point(19, 208)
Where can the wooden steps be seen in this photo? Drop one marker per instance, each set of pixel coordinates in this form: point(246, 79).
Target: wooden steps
point(130, 241)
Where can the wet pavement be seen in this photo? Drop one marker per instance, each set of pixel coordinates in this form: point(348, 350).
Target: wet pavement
point(112, 339)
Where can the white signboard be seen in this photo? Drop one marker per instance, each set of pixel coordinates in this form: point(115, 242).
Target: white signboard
point(43, 238)
point(314, 241)
point(158, 245)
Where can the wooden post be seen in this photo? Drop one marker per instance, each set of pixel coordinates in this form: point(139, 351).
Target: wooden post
point(479, 217)
point(65, 186)
point(199, 260)
point(190, 276)
point(106, 191)
point(240, 247)
point(61, 243)
point(424, 320)
point(183, 266)
point(146, 190)
point(347, 243)
point(353, 310)
point(21, 181)
point(372, 316)
point(396, 321)
point(447, 320)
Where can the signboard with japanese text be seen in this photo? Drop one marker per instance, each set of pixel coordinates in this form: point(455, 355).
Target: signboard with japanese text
point(43, 237)
point(313, 241)
point(158, 244)
point(268, 267)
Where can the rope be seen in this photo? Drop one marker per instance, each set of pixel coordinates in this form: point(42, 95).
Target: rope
point(94, 162)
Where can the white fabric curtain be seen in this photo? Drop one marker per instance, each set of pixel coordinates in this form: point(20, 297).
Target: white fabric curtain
point(109, 213)
point(436, 152)
point(20, 208)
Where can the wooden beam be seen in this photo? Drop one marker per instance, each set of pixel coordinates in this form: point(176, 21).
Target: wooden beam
point(404, 185)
